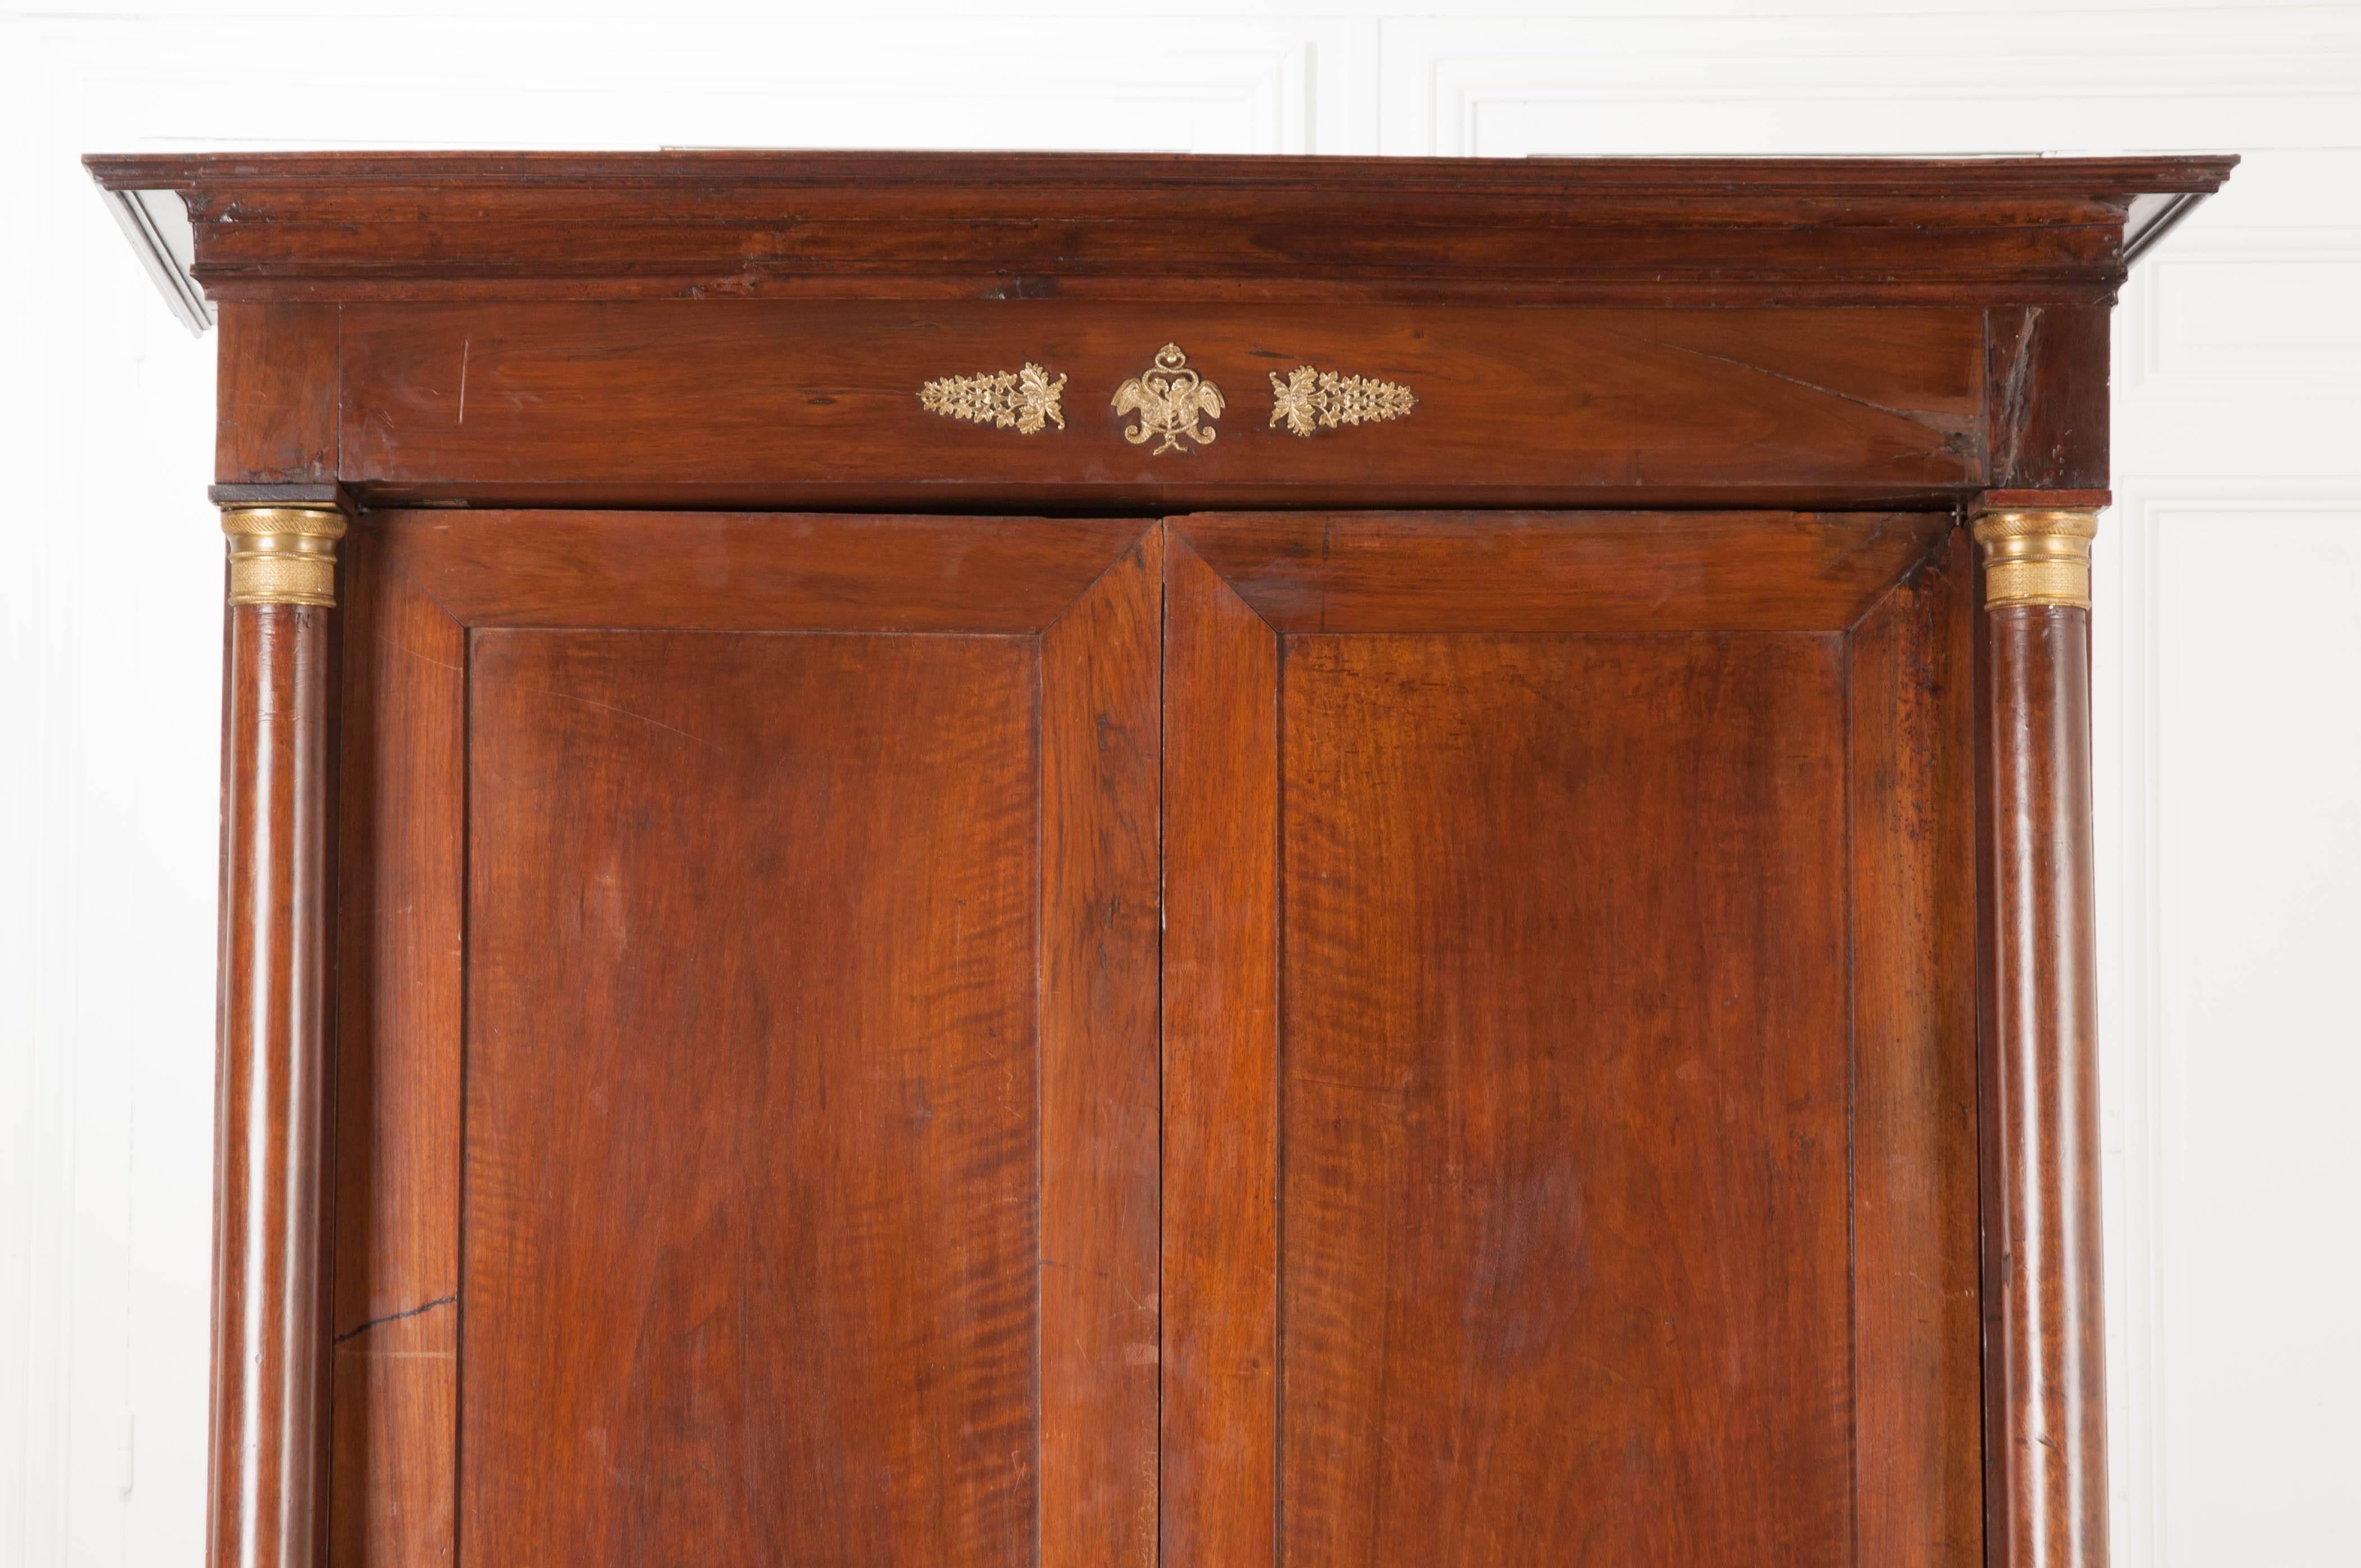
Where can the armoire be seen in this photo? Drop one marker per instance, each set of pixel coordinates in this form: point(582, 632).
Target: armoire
point(1067, 862)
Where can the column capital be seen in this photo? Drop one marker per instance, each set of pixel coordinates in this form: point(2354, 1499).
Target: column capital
point(282, 554)
point(2038, 554)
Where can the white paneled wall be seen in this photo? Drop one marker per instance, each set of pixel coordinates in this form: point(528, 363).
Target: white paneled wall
point(2229, 727)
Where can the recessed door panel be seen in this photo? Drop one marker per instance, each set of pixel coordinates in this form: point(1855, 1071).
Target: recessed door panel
point(1568, 995)
point(1562, 1096)
point(786, 1192)
point(751, 1175)
point(757, 1142)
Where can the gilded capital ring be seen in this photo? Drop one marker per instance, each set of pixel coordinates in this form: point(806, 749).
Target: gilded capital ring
point(2037, 556)
point(282, 554)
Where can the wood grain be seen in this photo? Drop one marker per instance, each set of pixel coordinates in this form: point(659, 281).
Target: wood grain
point(394, 1438)
point(2046, 395)
point(1915, 1204)
point(817, 1203)
point(401, 846)
point(737, 573)
point(1221, 1071)
point(1008, 227)
point(265, 1505)
point(276, 395)
point(1565, 1126)
point(1101, 925)
point(1627, 571)
point(779, 394)
point(907, 940)
point(2044, 1281)
point(752, 1100)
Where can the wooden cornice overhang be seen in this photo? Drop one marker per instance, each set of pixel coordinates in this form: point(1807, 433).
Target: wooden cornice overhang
point(766, 330)
point(1586, 232)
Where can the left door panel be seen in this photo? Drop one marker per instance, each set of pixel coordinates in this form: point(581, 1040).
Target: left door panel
point(736, 1082)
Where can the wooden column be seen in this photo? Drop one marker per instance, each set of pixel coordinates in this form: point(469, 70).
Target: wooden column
point(2045, 1376)
point(267, 1373)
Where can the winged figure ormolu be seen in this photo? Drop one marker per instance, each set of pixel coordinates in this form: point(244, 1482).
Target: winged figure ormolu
point(1171, 401)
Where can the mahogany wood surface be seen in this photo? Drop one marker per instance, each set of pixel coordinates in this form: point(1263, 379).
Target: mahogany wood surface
point(520, 331)
point(772, 394)
point(719, 572)
point(1221, 1008)
point(1635, 572)
point(1510, 984)
point(399, 1039)
point(1298, 1199)
point(1915, 1216)
point(277, 392)
point(1601, 332)
point(1565, 1154)
point(783, 405)
point(1005, 226)
point(2046, 390)
point(1624, 1126)
point(2044, 1283)
point(264, 1502)
point(751, 1181)
point(1102, 917)
point(888, 1085)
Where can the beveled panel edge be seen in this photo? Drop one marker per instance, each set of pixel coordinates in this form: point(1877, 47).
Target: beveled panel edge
point(1914, 927)
point(1293, 570)
point(631, 570)
point(1218, 1465)
point(1100, 1053)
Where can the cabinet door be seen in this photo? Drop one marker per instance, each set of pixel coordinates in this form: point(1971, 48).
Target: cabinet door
point(748, 1055)
point(1570, 1042)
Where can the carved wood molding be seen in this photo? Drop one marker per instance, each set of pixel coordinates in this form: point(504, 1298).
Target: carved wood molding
point(948, 226)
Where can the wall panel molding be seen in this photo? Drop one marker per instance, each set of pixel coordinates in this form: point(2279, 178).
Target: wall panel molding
point(2176, 632)
point(2173, 77)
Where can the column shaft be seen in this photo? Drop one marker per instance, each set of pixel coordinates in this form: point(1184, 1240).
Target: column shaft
point(267, 1491)
point(2044, 1329)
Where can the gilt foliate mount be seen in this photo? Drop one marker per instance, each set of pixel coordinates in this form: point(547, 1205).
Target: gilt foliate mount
point(1170, 404)
point(1025, 401)
point(1171, 401)
point(1309, 399)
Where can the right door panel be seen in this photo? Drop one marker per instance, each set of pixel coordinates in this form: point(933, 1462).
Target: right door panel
point(1558, 1168)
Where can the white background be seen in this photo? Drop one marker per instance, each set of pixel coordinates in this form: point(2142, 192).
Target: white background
point(2229, 641)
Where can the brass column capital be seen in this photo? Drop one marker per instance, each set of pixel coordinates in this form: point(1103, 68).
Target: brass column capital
point(2038, 556)
point(280, 554)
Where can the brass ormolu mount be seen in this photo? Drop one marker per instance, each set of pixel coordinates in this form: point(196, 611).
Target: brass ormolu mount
point(282, 554)
point(2038, 556)
point(1170, 403)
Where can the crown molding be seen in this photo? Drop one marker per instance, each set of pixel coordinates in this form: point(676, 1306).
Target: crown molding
point(1681, 231)
point(156, 223)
